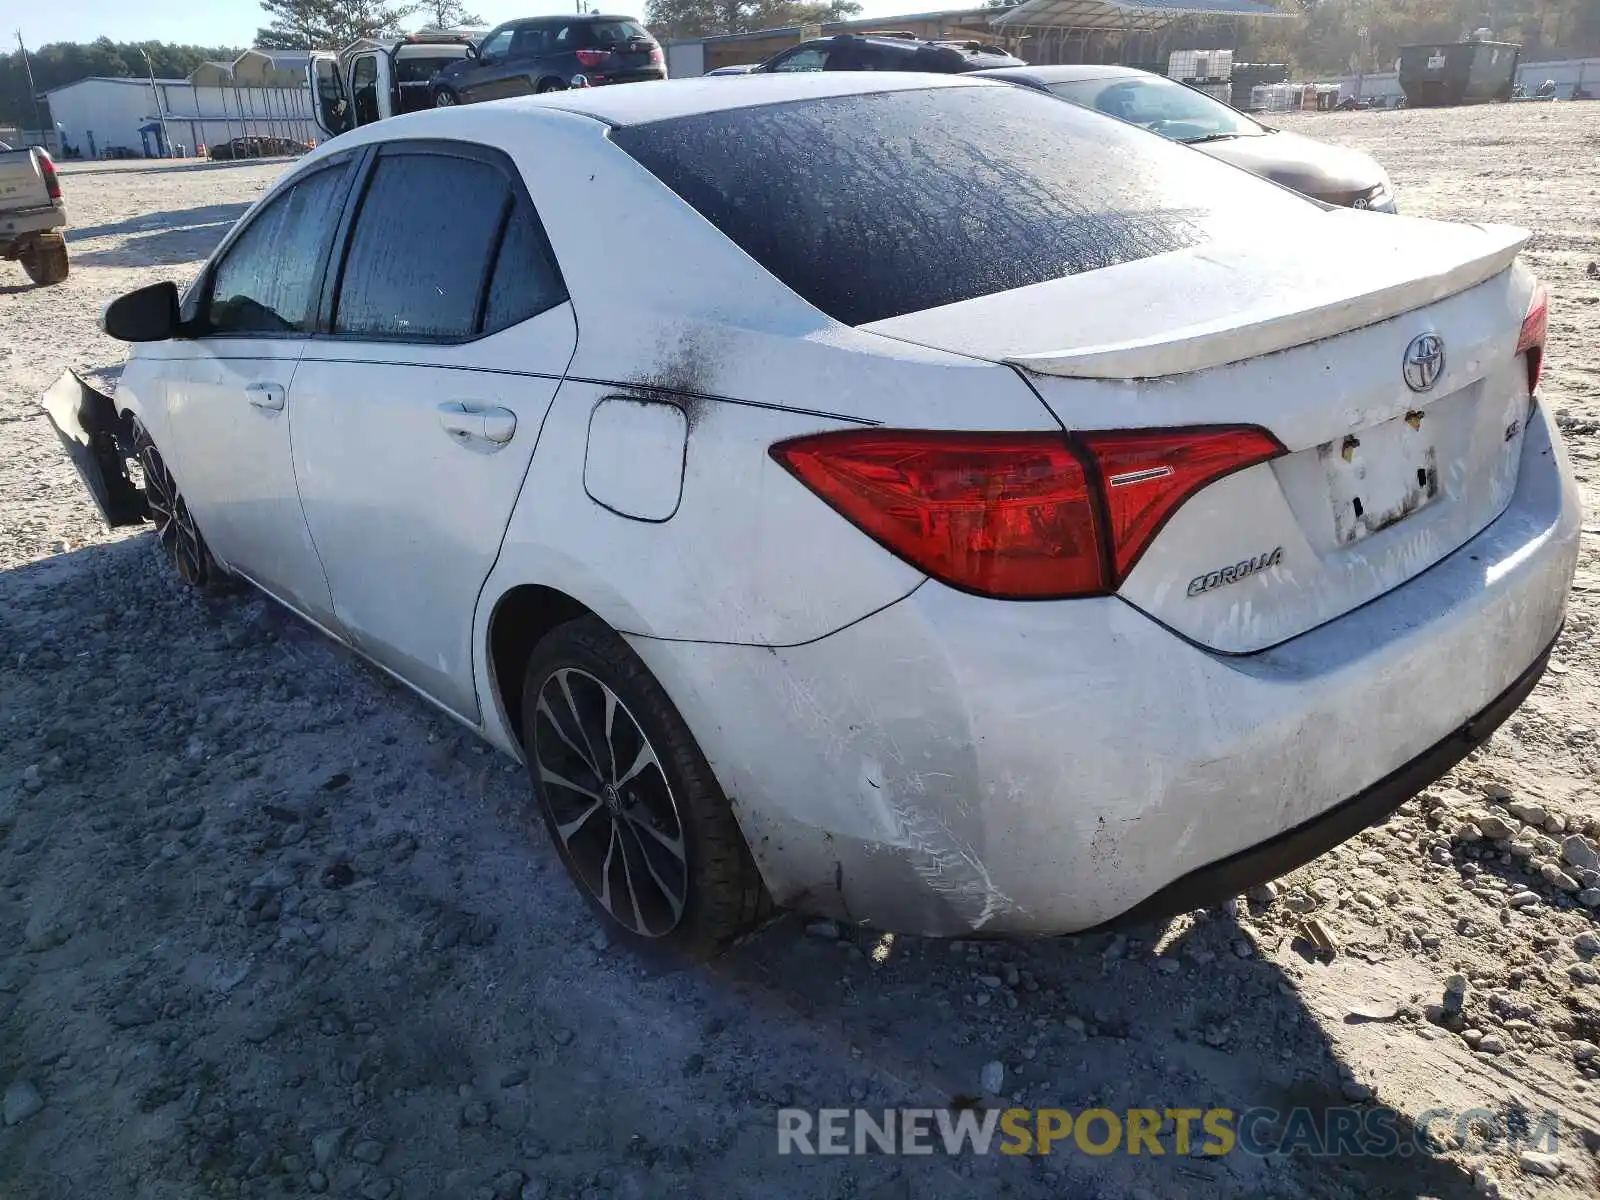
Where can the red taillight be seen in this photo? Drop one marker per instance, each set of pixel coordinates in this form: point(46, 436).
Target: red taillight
point(1020, 516)
point(590, 59)
point(1534, 327)
point(52, 182)
point(655, 56)
point(1148, 474)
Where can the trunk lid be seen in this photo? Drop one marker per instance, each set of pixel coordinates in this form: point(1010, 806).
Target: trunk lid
point(1380, 480)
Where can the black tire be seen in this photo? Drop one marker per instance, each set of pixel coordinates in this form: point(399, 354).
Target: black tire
point(45, 259)
point(179, 537)
point(445, 98)
point(722, 895)
point(550, 85)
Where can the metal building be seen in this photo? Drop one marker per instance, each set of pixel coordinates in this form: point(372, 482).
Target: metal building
point(1040, 31)
point(262, 93)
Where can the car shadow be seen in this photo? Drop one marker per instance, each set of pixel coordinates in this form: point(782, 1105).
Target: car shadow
point(1095, 1021)
point(144, 702)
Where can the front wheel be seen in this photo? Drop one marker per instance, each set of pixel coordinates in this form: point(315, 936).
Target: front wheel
point(551, 85)
point(632, 806)
point(445, 98)
point(179, 536)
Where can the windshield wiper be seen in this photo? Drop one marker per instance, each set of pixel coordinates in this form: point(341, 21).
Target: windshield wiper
point(1210, 137)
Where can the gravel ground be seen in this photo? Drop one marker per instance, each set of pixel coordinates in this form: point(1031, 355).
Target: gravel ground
point(270, 927)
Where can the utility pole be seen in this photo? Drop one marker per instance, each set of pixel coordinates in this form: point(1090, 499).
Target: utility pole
point(161, 112)
point(33, 93)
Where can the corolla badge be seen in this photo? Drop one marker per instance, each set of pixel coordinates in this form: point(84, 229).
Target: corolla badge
point(1235, 572)
point(1424, 361)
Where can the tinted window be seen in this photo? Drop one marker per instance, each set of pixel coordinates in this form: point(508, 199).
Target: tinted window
point(612, 33)
point(530, 41)
point(812, 58)
point(364, 89)
point(875, 205)
point(1162, 105)
point(525, 280)
point(421, 70)
point(267, 280)
point(497, 44)
point(421, 248)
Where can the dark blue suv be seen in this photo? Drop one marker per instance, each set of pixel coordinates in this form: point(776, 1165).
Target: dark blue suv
point(550, 54)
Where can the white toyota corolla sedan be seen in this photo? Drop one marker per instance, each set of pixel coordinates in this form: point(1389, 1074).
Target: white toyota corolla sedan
point(908, 499)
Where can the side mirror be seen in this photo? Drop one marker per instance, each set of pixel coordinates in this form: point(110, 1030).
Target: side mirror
point(149, 314)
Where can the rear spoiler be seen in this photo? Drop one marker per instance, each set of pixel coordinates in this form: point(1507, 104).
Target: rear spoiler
point(1215, 304)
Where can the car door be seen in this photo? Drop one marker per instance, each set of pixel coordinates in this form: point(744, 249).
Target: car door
point(330, 99)
point(228, 405)
point(486, 80)
point(416, 414)
point(529, 51)
point(371, 81)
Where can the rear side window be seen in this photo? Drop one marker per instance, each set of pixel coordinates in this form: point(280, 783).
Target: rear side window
point(872, 206)
point(525, 282)
point(267, 280)
point(443, 249)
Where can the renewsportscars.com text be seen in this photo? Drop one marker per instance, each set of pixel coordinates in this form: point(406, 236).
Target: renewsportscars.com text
point(1334, 1132)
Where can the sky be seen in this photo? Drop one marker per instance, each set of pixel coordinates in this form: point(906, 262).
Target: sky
point(234, 22)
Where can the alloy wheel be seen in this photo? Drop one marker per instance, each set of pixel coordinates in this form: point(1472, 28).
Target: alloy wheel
point(443, 100)
point(174, 526)
point(610, 803)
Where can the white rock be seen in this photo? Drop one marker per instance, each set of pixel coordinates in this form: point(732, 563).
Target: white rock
point(1583, 1051)
point(992, 1078)
point(1524, 899)
point(1533, 814)
point(1492, 1043)
point(1578, 851)
point(1497, 827)
point(22, 1100)
point(1548, 1165)
point(1556, 877)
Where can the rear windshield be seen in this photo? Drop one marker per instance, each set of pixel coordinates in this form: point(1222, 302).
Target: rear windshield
point(612, 33)
point(422, 69)
point(1162, 105)
point(875, 205)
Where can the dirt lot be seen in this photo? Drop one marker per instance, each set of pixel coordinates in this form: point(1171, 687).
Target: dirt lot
point(270, 927)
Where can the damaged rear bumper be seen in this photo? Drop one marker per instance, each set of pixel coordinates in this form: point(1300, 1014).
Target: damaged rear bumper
point(99, 442)
point(952, 765)
point(1279, 855)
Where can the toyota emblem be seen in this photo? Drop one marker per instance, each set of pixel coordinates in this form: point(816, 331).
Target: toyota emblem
point(1424, 362)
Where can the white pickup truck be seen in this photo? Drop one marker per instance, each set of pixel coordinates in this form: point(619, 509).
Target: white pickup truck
point(32, 214)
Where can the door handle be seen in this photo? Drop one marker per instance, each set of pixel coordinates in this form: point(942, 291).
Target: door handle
point(268, 396)
point(485, 424)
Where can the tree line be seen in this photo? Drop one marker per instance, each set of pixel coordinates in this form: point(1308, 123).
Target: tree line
point(60, 63)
